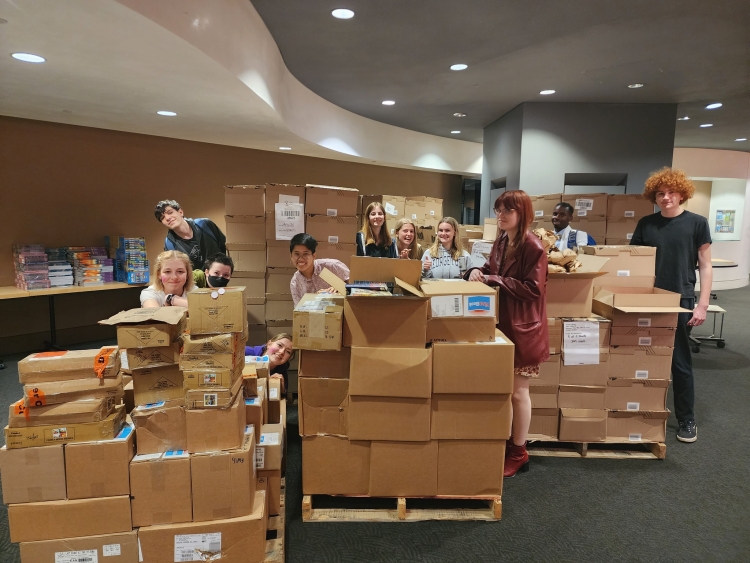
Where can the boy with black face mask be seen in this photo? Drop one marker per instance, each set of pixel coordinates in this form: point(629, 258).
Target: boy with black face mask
point(218, 271)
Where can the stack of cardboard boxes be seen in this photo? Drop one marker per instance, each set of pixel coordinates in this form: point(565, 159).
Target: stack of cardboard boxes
point(623, 213)
point(424, 211)
point(389, 408)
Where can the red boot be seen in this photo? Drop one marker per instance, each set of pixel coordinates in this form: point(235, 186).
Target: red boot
point(516, 459)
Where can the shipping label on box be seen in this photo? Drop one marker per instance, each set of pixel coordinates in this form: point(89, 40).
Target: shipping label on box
point(69, 365)
point(110, 548)
point(217, 311)
point(270, 447)
point(283, 193)
point(214, 398)
point(576, 373)
point(394, 205)
point(590, 204)
point(148, 328)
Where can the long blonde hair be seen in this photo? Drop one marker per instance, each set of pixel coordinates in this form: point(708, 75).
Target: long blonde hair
point(416, 248)
point(457, 248)
point(385, 235)
point(173, 255)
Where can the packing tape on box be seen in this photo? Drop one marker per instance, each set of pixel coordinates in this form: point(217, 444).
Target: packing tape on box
point(317, 324)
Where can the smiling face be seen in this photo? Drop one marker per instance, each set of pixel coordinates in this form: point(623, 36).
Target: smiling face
point(376, 217)
point(279, 352)
point(173, 276)
point(668, 200)
point(561, 217)
point(406, 235)
point(172, 217)
point(303, 259)
point(445, 234)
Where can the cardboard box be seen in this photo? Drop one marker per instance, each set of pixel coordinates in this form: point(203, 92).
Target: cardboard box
point(274, 400)
point(215, 360)
point(160, 427)
point(215, 429)
point(343, 252)
point(470, 417)
point(318, 322)
point(245, 229)
point(391, 372)
point(254, 284)
point(279, 307)
point(581, 397)
point(554, 329)
point(233, 540)
point(270, 447)
point(335, 466)
point(640, 362)
point(585, 205)
point(594, 225)
point(545, 423)
point(585, 374)
point(400, 469)
point(583, 425)
point(389, 418)
point(458, 298)
point(628, 206)
point(148, 328)
point(331, 201)
point(637, 394)
point(637, 426)
point(642, 336)
point(385, 322)
point(331, 364)
point(223, 483)
point(626, 260)
point(212, 398)
point(33, 474)
point(160, 490)
point(158, 383)
point(569, 295)
point(147, 357)
point(549, 372)
point(212, 344)
point(277, 254)
point(57, 392)
point(491, 367)
point(220, 314)
point(433, 206)
point(112, 548)
point(100, 469)
point(254, 409)
point(394, 205)
point(638, 306)
point(55, 434)
point(74, 412)
point(220, 378)
point(621, 230)
point(247, 257)
point(276, 193)
point(256, 312)
point(323, 405)
point(461, 329)
point(543, 396)
point(415, 210)
point(72, 364)
point(272, 487)
point(332, 229)
point(278, 279)
point(545, 204)
point(470, 467)
point(245, 200)
point(56, 519)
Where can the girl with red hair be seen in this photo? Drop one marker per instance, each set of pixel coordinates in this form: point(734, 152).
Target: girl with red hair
point(518, 266)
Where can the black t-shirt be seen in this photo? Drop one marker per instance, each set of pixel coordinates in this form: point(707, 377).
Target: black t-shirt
point(202, 245)
point(375, 251)
point(677, 240)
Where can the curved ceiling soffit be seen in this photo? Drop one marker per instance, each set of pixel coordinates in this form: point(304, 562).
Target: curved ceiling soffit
point(233, 34)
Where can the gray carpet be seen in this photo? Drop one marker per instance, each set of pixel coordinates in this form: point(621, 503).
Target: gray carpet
point(693, 506)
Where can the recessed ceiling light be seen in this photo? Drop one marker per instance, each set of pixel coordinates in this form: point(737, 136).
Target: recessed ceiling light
point(459, 66)
point(636, 85)
point(166, 113)
point(707, 125)
point(343, 14)
point(547, 92)
point(388, 102)
point(459, 114)
point(686, 118)
point(741, 139)
point(285, 148)
point(28, 58)
point(714, 106)
point(455, 132)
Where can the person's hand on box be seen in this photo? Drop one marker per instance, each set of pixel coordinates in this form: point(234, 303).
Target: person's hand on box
point(477, 276)
point(404, 254)
point(329, 290)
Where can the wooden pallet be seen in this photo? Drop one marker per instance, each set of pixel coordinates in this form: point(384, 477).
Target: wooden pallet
point(596, 450)
point(401, 512)
point(275, 549)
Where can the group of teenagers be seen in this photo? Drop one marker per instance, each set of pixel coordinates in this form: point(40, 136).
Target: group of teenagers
point(195, 256)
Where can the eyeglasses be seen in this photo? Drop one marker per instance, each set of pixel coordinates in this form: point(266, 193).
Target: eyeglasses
point(503, 211)
point(297, 257)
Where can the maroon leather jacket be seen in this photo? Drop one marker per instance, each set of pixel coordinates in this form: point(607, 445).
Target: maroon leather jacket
point(523, 297)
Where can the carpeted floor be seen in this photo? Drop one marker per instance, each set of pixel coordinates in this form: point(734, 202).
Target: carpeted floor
point(693, 506)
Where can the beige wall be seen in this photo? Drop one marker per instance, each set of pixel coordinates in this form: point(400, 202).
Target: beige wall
point(701, 201)
point(64, 185)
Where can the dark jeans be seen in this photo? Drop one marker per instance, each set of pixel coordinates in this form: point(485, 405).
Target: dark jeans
point(682, 365)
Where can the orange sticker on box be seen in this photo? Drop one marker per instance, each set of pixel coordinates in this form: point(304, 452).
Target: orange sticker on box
point(42, 355)
point(36, 397)
point(19, 408)
point(102, 359)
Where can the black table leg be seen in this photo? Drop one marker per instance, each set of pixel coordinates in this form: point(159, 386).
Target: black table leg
point(51, 344)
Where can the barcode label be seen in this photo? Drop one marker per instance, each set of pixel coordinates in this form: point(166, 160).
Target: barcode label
point(635, 437)
point(111, 550)
point(273, 393)
point(641, 374)
point(623, 273)
point(456, 305)
point(584, 204)
point(539, 213)
point(633, 406)
point(644, 322)
point(630, 214)
point(83, 556)
point(290, 213)
point(432, 212)
point(333, 240)
point(332, 212)
point(197, 547)
point(629, 236)
point(582, 212)
point(644, 341)
point(260, 458)
point(413, 215)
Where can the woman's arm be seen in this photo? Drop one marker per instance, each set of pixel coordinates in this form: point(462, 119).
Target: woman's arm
point(528, 286)
point(150, 303)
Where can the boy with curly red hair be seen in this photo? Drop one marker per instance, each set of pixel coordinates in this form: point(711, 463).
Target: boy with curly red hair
point(682, 240)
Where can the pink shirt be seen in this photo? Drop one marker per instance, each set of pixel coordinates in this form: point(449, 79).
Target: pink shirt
point(301, 285)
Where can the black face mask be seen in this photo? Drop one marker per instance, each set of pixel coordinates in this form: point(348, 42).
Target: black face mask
point(217, 281)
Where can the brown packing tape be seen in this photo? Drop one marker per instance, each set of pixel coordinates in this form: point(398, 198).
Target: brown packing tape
point(159, 478)
point(317, 324)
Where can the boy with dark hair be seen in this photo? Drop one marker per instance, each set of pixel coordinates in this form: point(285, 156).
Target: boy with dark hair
point(198, 238)
point(307, 278)
point(562, 215)
point(217, 273)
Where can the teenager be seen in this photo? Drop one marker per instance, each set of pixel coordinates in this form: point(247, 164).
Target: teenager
point(683, 241)
point(279, 350)
point(374, 240)
point(562, 215)
point(173, 280)
point(518, 266)
point(307, 278)
point(198, 238)
point(407, 246)
point(217, 273)
point(446, 259)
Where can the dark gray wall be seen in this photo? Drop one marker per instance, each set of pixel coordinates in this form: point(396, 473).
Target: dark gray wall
point(502, 153)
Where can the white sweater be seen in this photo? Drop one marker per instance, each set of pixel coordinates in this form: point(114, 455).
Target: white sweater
point(444, 267)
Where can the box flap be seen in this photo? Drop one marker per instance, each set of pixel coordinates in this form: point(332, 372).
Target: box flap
point(657, 415)
point(408, 287)
point(334, 281)
point(168, 315)
point(653, 310)
point(456, 287)
point(615, 250)
point(385, 270)
point(590, 267)
point(630, 382)
point(595, 414)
